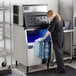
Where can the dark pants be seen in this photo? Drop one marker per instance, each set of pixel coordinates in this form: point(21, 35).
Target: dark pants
point(59, 57)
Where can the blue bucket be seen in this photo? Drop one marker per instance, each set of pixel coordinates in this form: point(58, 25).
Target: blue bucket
point(42, 49)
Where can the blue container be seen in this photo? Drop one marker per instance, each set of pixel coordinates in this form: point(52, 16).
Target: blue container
point(42, 49)
point(47, 49)
point(32, 35)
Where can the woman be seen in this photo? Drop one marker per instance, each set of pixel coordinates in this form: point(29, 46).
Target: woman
point(56, 30)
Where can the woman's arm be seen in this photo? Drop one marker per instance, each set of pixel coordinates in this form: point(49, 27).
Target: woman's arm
point(46, 35)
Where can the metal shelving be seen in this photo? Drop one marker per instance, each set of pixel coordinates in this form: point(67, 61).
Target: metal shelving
point(3, 22)
point(3, 51)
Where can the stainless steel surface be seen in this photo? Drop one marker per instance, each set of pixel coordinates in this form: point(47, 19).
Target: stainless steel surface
point(72, 30)
point(35, 8)
point(68, 12)
point(74, 8)
point(66, 9)
point(74, 24)
point(69, 52)
point(19, 10)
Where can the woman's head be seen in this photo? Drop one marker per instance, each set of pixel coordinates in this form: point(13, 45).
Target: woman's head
point(51, 14)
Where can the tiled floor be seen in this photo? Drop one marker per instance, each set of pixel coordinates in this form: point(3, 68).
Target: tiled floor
point(73, 64)
point(22, 69)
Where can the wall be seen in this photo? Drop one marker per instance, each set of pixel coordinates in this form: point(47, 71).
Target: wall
point(66, 9)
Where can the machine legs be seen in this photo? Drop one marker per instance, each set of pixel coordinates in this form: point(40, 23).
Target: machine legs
point(16, 63)
point(47, 66)
point(27, 69)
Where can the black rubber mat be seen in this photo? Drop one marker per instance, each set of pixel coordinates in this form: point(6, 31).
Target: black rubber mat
point(5, 72)
point(69, 72)
point(14, 73)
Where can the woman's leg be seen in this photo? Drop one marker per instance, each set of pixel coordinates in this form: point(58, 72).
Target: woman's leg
point(59, 57)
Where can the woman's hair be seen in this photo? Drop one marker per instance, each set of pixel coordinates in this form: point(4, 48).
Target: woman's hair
point(51, 13)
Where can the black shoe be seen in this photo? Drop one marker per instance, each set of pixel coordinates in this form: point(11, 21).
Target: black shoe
point(57, 70)
point(60, 71)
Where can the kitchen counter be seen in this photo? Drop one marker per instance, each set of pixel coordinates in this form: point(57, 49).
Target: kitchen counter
point(69, 30)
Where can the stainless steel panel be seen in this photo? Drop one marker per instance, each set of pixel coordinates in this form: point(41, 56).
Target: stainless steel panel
point(74, 8)
point(74, 22)
point(66, 9)
point(35, 8)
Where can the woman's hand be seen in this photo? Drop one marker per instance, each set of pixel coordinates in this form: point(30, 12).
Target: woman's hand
point(43, 38)
point(46, 35)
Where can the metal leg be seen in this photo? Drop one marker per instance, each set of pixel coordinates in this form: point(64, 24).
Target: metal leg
point(48, 63)
point(47, 66)
point(52, 62)
point(27, 69)
point(16, 63)
point(71, 42)
point(43, 61)
point(70, 61)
